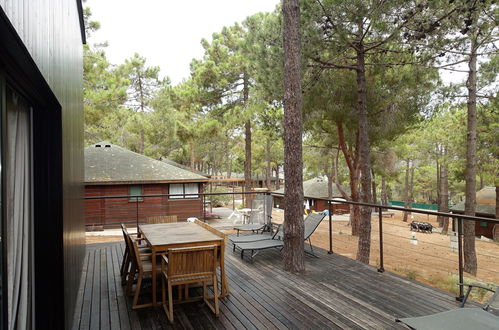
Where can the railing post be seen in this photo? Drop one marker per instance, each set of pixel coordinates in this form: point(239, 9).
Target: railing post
point(137, 212)
point(460, 257)
point(381, 268)
point(204, 209)
point(330, 229)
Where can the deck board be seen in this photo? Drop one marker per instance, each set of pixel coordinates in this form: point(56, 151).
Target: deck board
point(334, 293)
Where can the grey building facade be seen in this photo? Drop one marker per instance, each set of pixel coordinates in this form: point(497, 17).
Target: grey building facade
point(41, 103)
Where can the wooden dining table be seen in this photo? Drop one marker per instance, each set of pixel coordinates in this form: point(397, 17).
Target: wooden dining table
point(164, 236)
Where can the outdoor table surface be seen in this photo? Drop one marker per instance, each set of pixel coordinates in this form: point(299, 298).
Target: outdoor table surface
point(162, 236)
point(176, 233)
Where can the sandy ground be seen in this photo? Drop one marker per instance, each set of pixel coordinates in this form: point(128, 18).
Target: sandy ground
point(431, 261)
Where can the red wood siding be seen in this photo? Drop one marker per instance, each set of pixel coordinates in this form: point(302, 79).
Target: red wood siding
point(113, 211)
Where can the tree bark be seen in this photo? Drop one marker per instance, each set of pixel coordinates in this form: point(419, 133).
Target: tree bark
point(247, 145)
point(443, 205)
point(364, 245)
point(353, 172)
point(439, 187)
point(293, 251)
point(406, 188)
point(384, 196)
point(374, 188)
point(278, 182)
point(268, 172)
point(470, 261)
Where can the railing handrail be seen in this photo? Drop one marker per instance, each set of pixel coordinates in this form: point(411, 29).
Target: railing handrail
point(179, 195)
point(332, 200)
point(404, 209)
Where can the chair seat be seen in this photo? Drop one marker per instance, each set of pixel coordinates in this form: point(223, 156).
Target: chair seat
point(147, 266)
point(462, 318)
point(188, 278)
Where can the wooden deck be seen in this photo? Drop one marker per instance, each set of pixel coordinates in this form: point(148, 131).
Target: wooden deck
point(336, 292)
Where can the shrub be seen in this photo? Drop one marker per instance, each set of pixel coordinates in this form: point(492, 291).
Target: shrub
point(219, 200)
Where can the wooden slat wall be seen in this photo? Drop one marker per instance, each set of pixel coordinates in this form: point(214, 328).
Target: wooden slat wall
point(50, 30)
point(109, 211)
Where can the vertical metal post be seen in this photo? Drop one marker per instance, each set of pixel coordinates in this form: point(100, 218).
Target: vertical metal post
point(330, 229)
point(137, 212)
point(204, 209)
point(460, 257)
point(381, 268)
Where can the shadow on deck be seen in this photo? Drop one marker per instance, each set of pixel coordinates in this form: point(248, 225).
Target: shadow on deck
point(336, 292)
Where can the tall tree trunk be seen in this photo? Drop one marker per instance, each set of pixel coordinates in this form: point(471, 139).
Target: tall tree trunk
point(191, 155)
point(353, 172)
point(268, 172)
point(293, 251)
point(497, 202)
point(330, 178)
point(364, 245)
point(384, 195)
point(440, 219)
point(406, 188)
point(470, 262)
point(374, 188)
point(247, 145)
point(278, 182)
point(444, 194)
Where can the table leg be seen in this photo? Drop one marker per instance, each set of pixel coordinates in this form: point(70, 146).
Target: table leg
point(154, 302)
point(225, 284)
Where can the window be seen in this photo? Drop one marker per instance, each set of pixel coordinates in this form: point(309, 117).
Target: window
point(483, 224)
point(183, 188)
point(136, 191)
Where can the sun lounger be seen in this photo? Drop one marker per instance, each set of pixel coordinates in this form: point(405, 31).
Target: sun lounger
point(311, 223)
point(462, 318)
point(258, 237)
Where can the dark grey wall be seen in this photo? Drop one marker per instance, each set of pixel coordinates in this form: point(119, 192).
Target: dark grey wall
point(50, 31)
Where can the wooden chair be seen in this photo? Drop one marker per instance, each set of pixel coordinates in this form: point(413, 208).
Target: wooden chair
point(162, 219)
point(127, 255)
point(182, 266)
point(219, 251)
point(141, 266)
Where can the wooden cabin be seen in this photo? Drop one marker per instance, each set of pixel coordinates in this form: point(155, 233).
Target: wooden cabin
point(111, 170)
point(485, 207)
point(314, 190)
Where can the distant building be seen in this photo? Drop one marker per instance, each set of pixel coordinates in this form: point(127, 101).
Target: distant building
point(313, 191)
point(485, 207)
point(111, 170)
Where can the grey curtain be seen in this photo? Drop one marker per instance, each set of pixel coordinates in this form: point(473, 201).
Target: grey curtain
point(18, 209)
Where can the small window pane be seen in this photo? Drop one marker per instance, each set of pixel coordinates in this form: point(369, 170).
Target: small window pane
point(176, 188)
point(191, 188)
point(136, 191)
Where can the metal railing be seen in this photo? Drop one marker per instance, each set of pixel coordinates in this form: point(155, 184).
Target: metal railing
point(460, 217)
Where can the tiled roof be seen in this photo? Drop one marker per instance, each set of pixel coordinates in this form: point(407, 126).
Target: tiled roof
point(109, 163)
point(317, 188)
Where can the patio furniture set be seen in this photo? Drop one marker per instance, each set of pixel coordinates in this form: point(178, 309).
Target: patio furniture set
point(185, 255)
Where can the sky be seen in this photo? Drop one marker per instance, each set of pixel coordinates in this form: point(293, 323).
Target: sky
point(166, 32)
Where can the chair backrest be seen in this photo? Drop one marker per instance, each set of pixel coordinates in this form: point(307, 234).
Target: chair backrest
point(312, 221)
point(257, 214)
point(192, 262)
point(162, 219)
point(265, 202)
point(136, 253)
point(211, 229)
